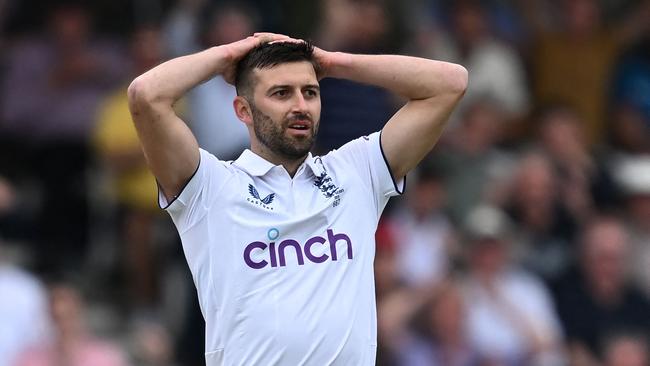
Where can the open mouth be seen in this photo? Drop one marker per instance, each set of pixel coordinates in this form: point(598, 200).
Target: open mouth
point(300, 126)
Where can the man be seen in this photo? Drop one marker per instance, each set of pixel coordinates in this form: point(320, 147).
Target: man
point(281, 243)
point(596, 299)
point(511, 319)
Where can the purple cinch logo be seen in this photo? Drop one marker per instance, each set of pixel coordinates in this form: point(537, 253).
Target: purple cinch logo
point(276, 256)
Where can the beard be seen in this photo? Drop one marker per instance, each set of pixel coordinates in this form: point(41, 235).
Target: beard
point(273, 134)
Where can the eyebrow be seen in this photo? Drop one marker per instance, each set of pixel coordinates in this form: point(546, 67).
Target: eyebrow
point(286, 86)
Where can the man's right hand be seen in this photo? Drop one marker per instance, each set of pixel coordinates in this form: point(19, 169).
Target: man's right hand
point(237, 50)
point(171, 150)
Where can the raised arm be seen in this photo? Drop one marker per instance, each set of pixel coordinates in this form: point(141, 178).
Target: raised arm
point(432, 87)
point(169, 147)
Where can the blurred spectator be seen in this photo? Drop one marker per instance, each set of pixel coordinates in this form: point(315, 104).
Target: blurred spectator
point(24, 320)
point(511, 319)
point(181, 27)
point(55, 79)
point(386, 283)
point(596, 300)
point(473, 167)
point(7, 197)
point(633, 175)
point(626, 350)
point(422, 231)
point(190, 343)
point(12, 225)
point(395, 310)
point(496, 71)
point(16, 216)
point(632, 77)
point(211, 114)
point(351, 110)
point(544, 224)
point(629, 132)
point(630, 104)
point(387, 278)
point(443, 340)
point(573, 62)
point(51, 89)
point(590, 78)
point(116, 142)
point(151, 345)
point(395, 301)
point(73, 344)
point(583, 180)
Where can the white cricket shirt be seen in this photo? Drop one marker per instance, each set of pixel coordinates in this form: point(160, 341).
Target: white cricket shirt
point(284, 266)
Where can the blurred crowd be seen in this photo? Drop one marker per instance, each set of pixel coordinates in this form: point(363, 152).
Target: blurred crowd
point(522, 239)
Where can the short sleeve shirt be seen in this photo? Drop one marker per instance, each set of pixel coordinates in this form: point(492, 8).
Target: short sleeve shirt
point(284, 265)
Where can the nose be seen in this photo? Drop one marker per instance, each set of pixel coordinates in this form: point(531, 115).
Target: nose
point(300, 104)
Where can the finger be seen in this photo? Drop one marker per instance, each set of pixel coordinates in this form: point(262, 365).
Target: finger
point(270, 37)
point(269, 34)
point(288, 40)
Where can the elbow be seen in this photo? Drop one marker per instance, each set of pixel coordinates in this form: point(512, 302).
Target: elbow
point(139, 93)
point(142, 99)
point(458, 80)
point(143, 94)
point(447, 80)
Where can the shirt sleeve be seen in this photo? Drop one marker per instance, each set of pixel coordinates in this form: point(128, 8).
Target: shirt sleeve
point(198, 195)
point(367, 159)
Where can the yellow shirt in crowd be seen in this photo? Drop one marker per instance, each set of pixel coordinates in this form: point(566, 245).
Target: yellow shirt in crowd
point(115, 134)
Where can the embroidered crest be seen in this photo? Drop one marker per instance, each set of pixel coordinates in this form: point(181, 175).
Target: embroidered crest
point(325, 184)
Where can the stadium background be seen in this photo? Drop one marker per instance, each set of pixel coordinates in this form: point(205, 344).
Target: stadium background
point(523, 239)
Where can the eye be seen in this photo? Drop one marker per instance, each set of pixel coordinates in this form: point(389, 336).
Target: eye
point(280, 93)
point(311, 92)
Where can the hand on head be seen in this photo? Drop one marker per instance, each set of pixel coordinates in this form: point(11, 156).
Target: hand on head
point(265, 37)
point(322, 57)
point(240, 48)
point(237, 50)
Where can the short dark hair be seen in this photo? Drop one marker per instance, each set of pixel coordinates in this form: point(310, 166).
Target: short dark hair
point(269, 55)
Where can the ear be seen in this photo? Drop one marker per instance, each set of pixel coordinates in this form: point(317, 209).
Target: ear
point(243, 110)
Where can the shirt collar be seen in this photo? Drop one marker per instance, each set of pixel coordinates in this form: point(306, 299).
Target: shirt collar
point(315, 164)
point(258, 166)
point(253, 163)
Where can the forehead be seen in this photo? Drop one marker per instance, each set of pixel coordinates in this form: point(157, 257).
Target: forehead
point(292, 73)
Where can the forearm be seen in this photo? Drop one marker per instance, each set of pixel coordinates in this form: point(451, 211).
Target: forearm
point(169, 81)
point(170, 149)
point(411, 77)
point(432, 87)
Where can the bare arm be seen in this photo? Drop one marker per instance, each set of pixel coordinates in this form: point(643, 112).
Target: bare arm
point(169, 147)
point(432, 87)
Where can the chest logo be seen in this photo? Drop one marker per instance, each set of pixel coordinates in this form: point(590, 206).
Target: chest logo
point(256, 199)
point(318, 249)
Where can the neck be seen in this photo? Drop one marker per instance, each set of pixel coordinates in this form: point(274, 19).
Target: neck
point(290, 164)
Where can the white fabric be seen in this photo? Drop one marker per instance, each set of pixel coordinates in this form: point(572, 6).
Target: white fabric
point(496, 73)
point(493, 315)
point(24, 314)
point(421, 248)
point(213, 120)
point(318, 312)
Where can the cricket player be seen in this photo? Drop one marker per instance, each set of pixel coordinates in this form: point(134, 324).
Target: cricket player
point(280, 243)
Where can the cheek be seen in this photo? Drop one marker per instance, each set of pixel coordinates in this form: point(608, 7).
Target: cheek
point(316, 109)
point(271, 114)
